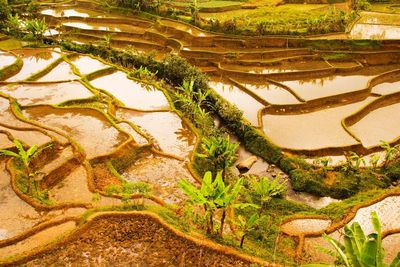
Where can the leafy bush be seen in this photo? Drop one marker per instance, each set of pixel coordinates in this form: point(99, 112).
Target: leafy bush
point(36, 27)
point(5, 11)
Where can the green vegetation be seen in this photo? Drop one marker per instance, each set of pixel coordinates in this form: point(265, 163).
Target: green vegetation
point(127, 189)
point(26, 157)
point(36, 27)
point(212, 195)
point(266, 19)
point(359, 250)
point(219, 152)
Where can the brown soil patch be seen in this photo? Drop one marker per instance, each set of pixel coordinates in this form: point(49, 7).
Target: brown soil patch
point(103, 177)
point(330, 178)
point(135, 241)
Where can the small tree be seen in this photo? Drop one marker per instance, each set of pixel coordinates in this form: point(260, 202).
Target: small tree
point(25, 156)
point(220, 152)
point(247, 225)
point(194, 11)
point(212, 195)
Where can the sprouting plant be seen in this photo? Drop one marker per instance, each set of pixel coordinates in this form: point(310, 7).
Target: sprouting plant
point(213, 194)
point(265, 189)
point(324, 163)
point(192, 101)
point(127, 189)
point(391, 151)
point(374, 160)
point(245, 226)
point(359, 250)
point(142, 72)
point(37, 27)
point(96, 197)
point(13, 24)
point(220, 152)
point(25, 156)
point(353, 162)
point(107, 40)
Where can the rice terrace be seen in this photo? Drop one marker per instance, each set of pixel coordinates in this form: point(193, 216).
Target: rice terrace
point(200, 133)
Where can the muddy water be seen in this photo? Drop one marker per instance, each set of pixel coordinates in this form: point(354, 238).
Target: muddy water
point(312, 245)
point(379, 18)
point(242, 100)
point(101, 27)
point(16, 216)
point(299, 131)
point(62, 72)
point(132, 93)
point(386, 210)
point(391, 245)
point(371, 31)
point(308, 199)
point(344, 64)
point(301, 226)
point(88, 127)
point(290, 67)
point(86, 64)
point(33, 94)
point(380, 124)
point(329, 86)
point(6, 59)
point(34, 61)
point(75, 12)
point(73, 188)
point(8, 119)
point(183, 27)
point(5, 142)
point(341, 159)
point(163, 174)
point(38, 240)
point(28, 137)
point(135, 135)
point(168, 130)
point(375, 25)
point(273, 94)
point(386, 88)
point(389, 221)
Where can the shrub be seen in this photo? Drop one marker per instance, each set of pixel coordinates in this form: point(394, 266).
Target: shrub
point(5, 11)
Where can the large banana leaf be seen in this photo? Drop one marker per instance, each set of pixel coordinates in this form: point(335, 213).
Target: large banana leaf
point(368, 254)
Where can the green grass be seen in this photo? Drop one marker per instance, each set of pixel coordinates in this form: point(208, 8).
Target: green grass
point(387, 8)
point(293, 12)
point(210, 4)
point(10, 44)
point(284, 19)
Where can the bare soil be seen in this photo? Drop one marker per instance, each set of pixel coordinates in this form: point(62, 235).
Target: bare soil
point(132, 241)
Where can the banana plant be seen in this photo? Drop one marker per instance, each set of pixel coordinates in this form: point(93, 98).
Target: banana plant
point(25, 156)
point(245, 226)
point(265, 189)
point(220, 151)
point(212, 195)
point(359, 250)
point(226, 196)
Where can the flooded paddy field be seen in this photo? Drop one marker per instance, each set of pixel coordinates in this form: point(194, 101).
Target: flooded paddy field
point(108, 132)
